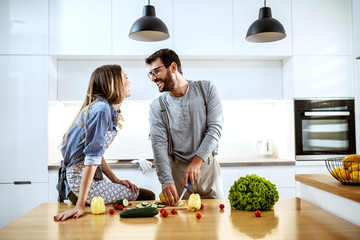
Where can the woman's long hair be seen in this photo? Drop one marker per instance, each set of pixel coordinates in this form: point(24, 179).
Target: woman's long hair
point(105, 81)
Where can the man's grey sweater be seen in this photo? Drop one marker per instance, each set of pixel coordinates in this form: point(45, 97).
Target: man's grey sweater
point(193, 131)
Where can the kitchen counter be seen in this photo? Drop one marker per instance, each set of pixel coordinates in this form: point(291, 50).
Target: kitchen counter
point(331, 195)
point(292, 218)
point(328, 183)
point(224, 162)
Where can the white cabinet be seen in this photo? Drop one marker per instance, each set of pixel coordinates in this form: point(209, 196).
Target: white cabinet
point(16, 200)
point(322, 27)
point(125, 13)
point(356, 27)
point(81, 27)
point(323, 76)
point(246, 12)
point(203, 27)
point(23, 127)
point(23, 27)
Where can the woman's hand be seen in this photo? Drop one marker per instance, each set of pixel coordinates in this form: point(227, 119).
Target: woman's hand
point(76, 212)
point(128, 184)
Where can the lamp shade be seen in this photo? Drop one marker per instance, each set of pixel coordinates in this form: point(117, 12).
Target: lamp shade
point(266, 28)
point(149, 28)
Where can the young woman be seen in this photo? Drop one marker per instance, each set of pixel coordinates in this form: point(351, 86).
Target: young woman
point(84, 143)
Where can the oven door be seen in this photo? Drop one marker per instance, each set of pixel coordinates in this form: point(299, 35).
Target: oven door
point(323, 134)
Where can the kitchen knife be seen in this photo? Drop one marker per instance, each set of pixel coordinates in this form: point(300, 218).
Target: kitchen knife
point(183, 193)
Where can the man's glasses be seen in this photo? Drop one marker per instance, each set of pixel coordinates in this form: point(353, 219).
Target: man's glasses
point(155, 71)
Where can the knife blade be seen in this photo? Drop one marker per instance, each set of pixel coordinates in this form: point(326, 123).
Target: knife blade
point(183, 193)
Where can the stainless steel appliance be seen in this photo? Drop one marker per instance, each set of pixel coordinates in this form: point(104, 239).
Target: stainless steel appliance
point(324, 128)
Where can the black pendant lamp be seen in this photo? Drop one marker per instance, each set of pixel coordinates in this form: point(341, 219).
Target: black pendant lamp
point(266, 28)
point(149, 28)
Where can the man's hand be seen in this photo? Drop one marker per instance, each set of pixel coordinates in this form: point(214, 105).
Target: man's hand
point(170, 193)
point(193, 170)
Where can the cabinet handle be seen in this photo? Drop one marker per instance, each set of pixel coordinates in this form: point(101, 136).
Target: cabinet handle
point(22, 182)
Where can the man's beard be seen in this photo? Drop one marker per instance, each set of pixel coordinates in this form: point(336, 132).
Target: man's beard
point(167, 83)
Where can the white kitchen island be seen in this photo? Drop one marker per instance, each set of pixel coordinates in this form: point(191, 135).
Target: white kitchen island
point(328, 193)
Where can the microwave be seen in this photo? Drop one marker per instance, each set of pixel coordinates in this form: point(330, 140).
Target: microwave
point(324, 128)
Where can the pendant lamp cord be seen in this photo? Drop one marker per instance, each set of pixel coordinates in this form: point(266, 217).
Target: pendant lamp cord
point(148, 2)
point(264, 3)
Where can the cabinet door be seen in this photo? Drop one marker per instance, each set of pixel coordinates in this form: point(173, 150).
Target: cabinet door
point(23, 27)
point(125, 13)
point(323, 76)
point(81, 27)
point(356, 27)
point(322, 27)
point(246, 12)
point(203, 27)
point(23, 127)
point(16, 200)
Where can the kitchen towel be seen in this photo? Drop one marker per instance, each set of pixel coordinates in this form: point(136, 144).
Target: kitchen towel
point(144, 165)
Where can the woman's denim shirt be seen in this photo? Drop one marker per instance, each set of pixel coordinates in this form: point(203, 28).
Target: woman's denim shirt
point(97, 124)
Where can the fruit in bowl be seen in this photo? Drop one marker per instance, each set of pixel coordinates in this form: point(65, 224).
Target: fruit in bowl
point(346, 170)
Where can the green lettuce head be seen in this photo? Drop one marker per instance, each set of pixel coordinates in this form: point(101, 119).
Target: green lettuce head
point(253, 193)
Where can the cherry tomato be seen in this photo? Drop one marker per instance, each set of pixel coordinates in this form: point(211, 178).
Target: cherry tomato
point(198, 216)
point(202, 206)
point(111, 211)
point(221, 206)
point(164, 213)
point(173, 211)
point(121, 207)
point(257, 213)
point(116, 206)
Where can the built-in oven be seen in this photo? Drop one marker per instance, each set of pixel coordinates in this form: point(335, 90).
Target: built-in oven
point(324, 128)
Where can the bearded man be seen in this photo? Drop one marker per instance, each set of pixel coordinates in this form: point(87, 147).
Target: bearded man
point(185, 127)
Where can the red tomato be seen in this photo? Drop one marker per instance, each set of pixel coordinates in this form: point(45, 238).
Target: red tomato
point(116, 206)
point(202, 206)
point(198, 216)
point(111, 211)
point(173, 211)
point(121, 207)
point(257, 213)
point(221, 206)
point(164, 213)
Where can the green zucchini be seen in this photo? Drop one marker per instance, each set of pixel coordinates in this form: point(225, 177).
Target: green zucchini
point(123, 202)
point(161, 205)
point(139, 212)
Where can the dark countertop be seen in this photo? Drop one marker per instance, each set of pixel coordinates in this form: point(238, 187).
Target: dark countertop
point(224, 162)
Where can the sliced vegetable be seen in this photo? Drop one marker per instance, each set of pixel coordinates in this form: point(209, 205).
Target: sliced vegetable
point(123, 202)
point(139, 212)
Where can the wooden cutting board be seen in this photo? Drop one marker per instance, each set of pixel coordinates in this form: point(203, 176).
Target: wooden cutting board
point(132, 204)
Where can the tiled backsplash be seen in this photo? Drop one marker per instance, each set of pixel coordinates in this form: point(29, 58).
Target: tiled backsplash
point(245, 122)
